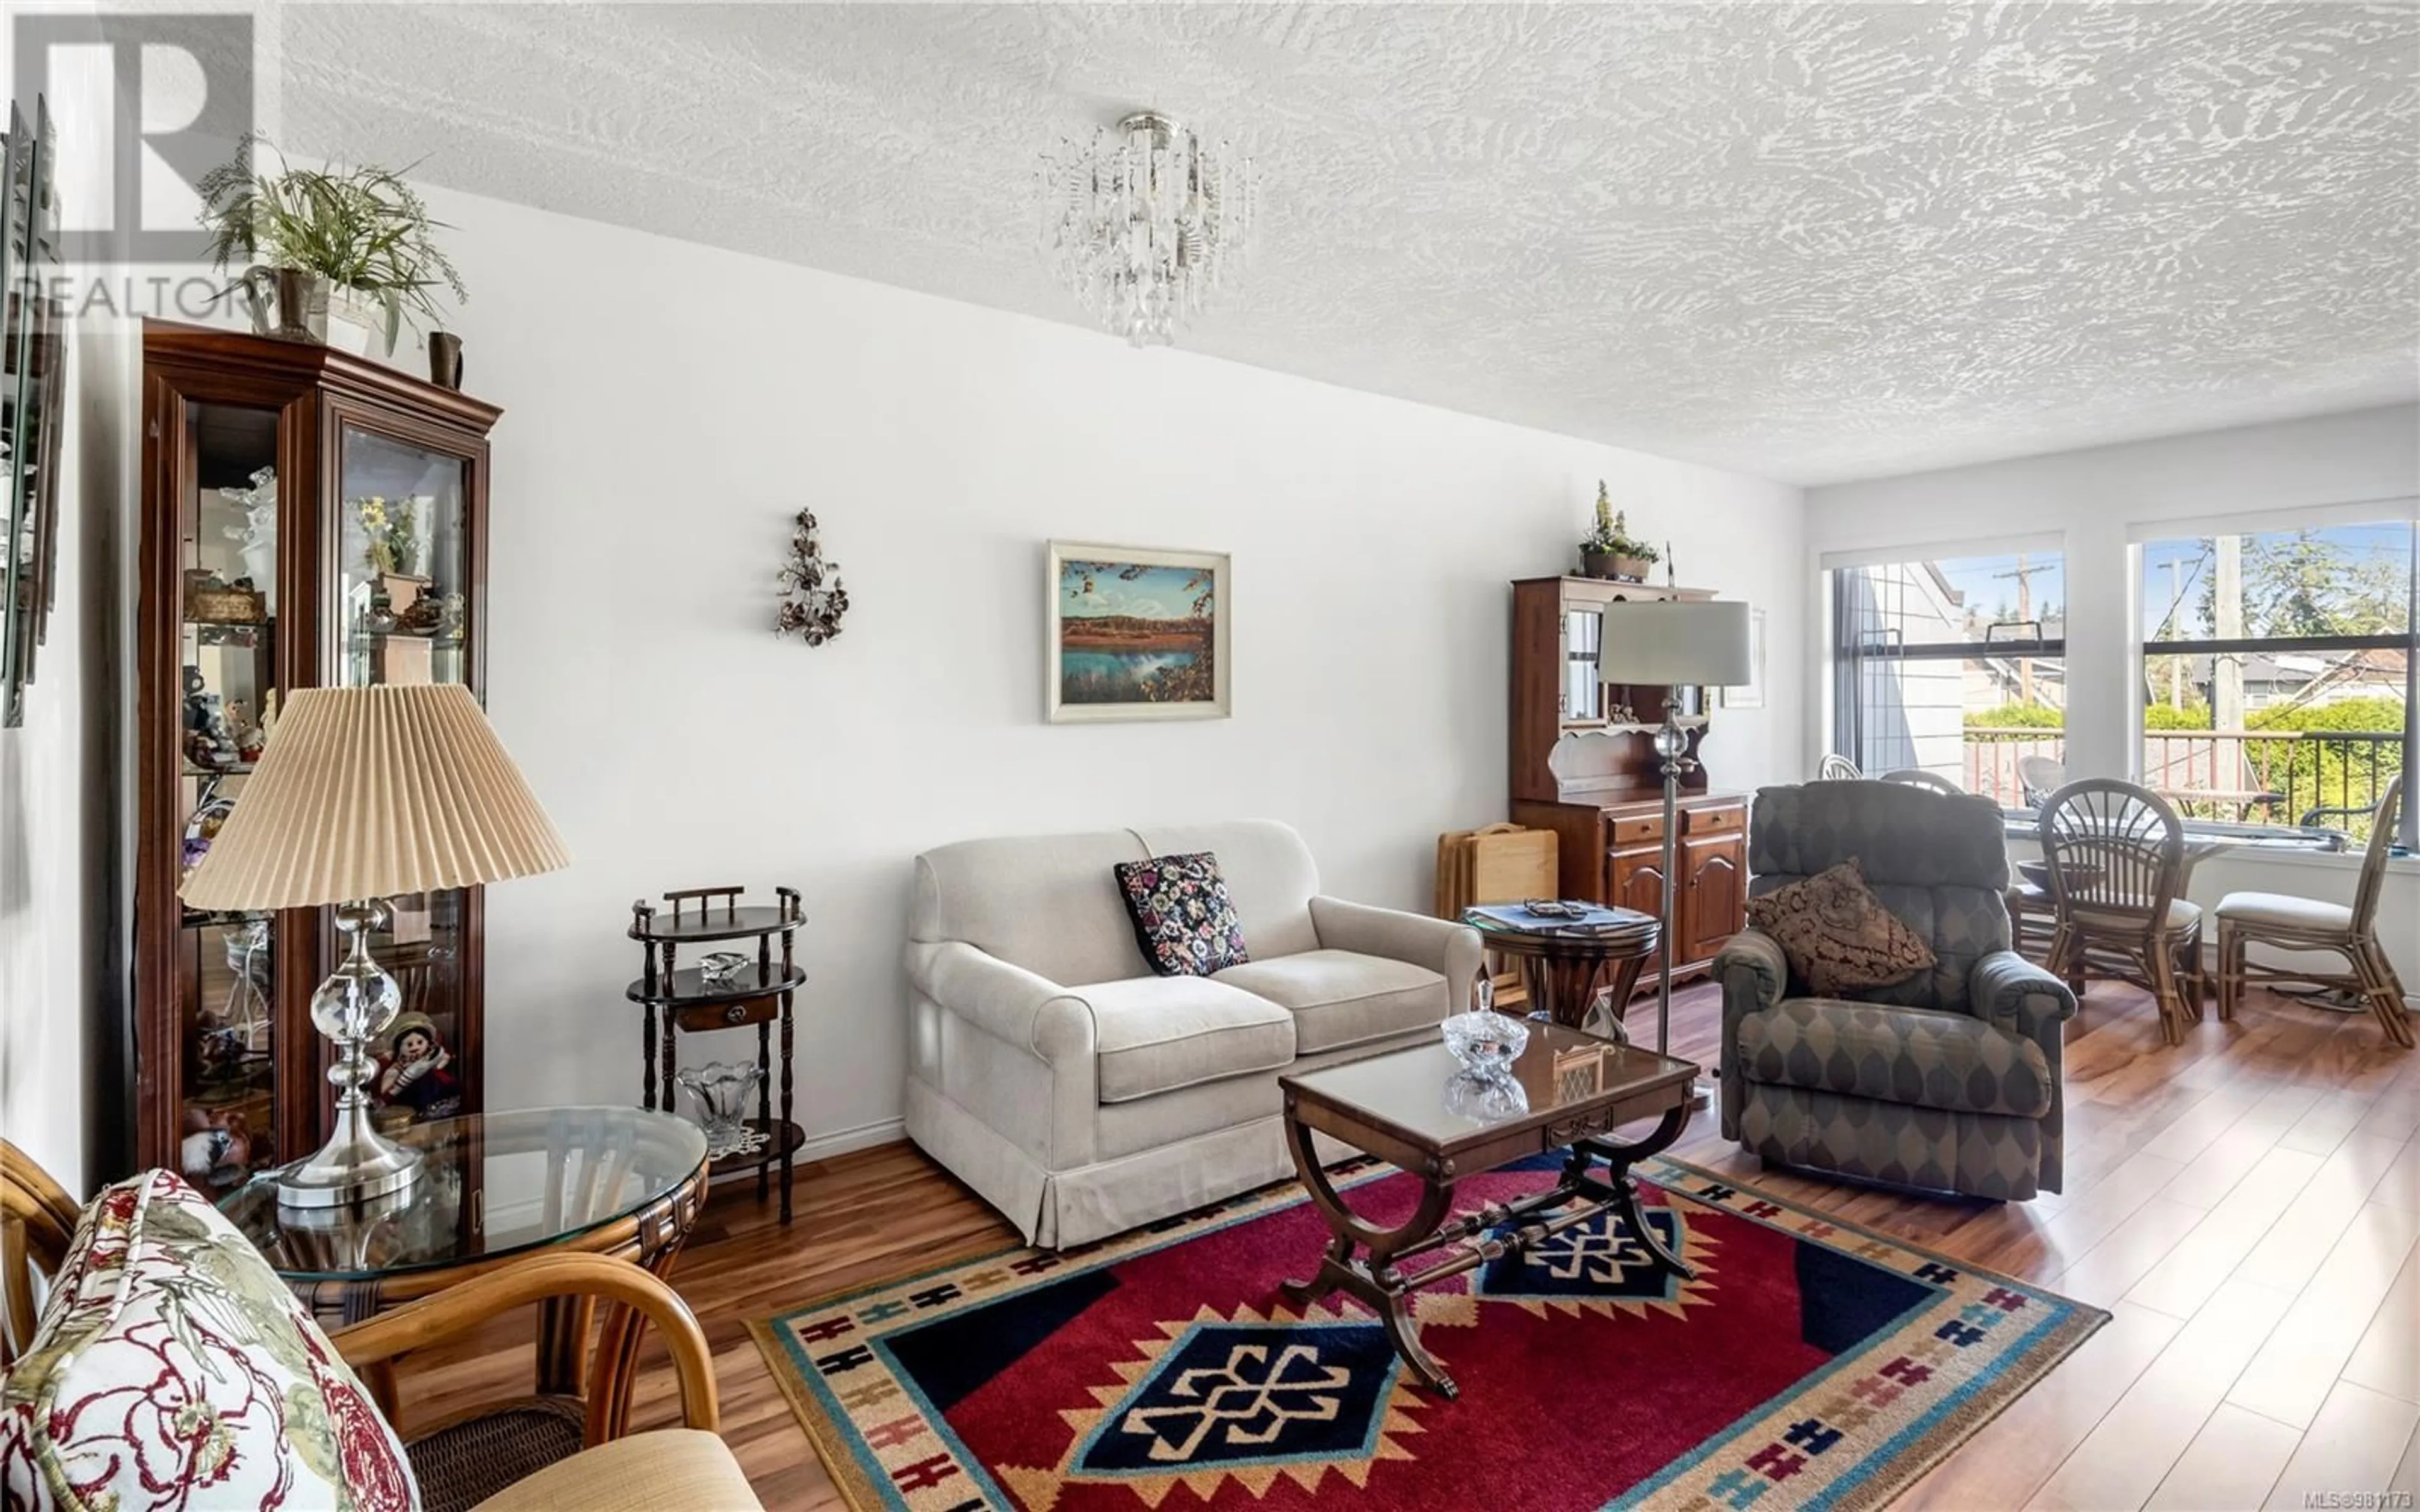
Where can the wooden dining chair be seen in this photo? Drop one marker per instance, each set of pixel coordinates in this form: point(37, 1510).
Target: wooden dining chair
point(2248, 919)
point(2114, 859)
point(1837, 768)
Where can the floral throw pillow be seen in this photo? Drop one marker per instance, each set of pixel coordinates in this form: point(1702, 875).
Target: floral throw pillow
point(1837, 934)
point(173, 1369)
point(1183, 918)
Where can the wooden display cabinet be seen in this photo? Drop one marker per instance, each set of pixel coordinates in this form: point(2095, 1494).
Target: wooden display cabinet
point(1583, 764)
point(263, 569)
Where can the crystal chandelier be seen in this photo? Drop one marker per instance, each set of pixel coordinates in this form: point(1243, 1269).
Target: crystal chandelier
point(1143, 221)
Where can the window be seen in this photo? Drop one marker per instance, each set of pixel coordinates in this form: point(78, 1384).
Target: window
point(2278, 671)
point(1955, 666)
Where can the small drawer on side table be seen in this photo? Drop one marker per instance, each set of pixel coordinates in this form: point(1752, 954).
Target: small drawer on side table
point(734, 1015)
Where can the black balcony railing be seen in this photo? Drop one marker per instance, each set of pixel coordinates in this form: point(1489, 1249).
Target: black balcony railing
point(2324, 778)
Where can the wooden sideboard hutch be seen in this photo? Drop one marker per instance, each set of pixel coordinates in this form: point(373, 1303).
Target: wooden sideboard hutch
point(1584, 765)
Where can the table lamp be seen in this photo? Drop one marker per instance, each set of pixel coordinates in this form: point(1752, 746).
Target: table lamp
point(364, 794)
point(1672, 643)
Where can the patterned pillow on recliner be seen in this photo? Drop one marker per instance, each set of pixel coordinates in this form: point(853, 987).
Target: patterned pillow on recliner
point(1183, 919)
point(1837, 934)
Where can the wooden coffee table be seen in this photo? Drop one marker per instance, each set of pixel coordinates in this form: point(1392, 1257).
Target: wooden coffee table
point(1413, 1110)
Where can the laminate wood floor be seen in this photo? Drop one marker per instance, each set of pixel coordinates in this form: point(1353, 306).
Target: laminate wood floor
point(2246, 1204)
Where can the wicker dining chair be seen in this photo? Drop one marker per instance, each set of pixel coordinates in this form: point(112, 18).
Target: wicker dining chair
point(1916, 777)
point(2114, 857)
point(2038, 777)
point(1837, 768)
point(2247, 918)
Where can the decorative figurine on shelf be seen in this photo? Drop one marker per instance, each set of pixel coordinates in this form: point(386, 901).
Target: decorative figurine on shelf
point(209, 742)
point(250, 738)
point(417, 1072)
point(1610, 550)
point(246, 1012)
point(424, 615)
point(256, 539)
point(216, 1147)
point(219, 1049)
point(202, 826)
point(811, 608)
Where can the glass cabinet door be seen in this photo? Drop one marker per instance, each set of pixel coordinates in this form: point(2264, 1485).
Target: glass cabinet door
point(227, 545)
point(1583, 695)
point(401, 616)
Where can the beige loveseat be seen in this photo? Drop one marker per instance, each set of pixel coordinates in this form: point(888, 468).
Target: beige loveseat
point(1083, 1095)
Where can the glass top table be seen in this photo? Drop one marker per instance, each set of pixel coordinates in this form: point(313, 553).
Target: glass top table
point(490, 1186)
point(1423, 1095)
point(1420, 1111)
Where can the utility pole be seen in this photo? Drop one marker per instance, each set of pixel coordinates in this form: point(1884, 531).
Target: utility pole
point(2024, 576)
point(2168, 632)
point(2227, 668)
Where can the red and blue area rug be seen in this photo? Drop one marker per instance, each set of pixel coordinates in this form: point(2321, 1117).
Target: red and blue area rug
point(1810, 1365)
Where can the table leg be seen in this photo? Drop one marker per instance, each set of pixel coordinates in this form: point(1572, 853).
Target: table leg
point(563, 1344)
point(1372, 1279)
point(1565, 988)
point(1619, 1189)
point(661, 1234)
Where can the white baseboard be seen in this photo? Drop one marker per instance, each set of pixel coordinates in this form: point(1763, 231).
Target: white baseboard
point(837, 1142)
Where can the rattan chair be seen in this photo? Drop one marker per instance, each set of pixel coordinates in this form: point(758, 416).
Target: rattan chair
point(2247, 918)
point(1916, 776)
point(2038, 777)
point(1837, 768)
point(2114, 855)
point(517, 1457)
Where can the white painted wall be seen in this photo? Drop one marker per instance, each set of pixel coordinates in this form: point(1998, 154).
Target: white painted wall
point(668, 406)
point(2092, 499)
point(62, 962)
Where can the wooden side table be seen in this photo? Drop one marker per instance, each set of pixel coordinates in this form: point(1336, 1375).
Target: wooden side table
point(687, 999)
point(1564, 970)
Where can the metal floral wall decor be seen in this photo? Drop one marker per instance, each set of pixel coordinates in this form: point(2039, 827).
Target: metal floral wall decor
point(813, 599)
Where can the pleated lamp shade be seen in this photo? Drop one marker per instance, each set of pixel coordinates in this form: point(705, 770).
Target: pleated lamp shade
point(370, 793)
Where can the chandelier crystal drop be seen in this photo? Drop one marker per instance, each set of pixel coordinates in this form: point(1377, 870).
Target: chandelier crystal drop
point(1143, 221)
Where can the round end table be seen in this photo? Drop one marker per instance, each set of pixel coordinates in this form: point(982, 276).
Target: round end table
point(1564, 969)
point(491, 1187)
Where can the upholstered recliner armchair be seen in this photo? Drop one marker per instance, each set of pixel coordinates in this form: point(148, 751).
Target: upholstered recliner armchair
point(1949, 1080)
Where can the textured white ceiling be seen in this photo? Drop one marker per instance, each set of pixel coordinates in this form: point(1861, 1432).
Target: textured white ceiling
point(1815, 243)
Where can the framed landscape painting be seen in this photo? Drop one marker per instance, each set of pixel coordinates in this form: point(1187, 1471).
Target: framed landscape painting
point(1137, 634)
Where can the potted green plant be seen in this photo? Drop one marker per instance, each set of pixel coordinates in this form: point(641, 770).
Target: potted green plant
point(1609, 551)
point(345, 256)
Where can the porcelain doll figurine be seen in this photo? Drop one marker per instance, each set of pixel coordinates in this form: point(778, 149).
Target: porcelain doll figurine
point(418, 1071)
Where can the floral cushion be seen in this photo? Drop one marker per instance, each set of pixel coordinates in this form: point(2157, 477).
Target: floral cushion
point(173, 1369)
point(1837, 934)
point(1183, 918)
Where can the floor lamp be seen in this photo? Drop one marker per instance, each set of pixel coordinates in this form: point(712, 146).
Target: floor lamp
point(1672, 643)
